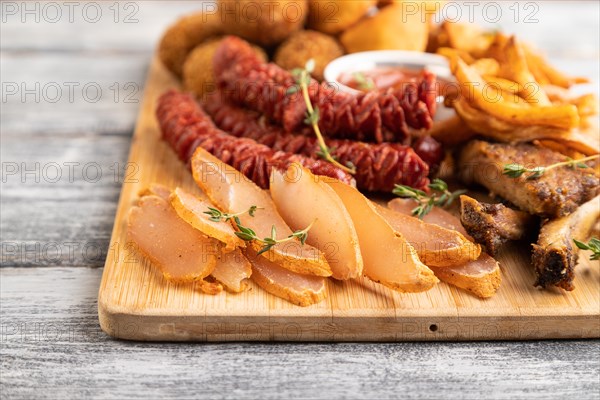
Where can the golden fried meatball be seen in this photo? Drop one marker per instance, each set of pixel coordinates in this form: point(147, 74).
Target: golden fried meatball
point(264, 22)
point(335, 16)
point(304, 45)
point(183, 36)
point(198, 75)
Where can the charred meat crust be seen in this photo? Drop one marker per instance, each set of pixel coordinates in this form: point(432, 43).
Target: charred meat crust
point(555, 256)
point(555, 194)
point(492, 225)
point(555, 267)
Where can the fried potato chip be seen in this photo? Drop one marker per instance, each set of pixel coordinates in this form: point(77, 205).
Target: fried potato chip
point(490, 100)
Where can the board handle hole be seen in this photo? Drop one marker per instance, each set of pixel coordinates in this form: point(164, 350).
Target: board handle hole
point(433, 327)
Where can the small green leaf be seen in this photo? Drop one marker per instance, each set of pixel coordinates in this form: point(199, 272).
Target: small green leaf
point(536, 172)
point(245, 236)
point(310, 66)
point(439, 185)
point(291, 90)
point(514, 170)
point(312, 118)
point(265, 249)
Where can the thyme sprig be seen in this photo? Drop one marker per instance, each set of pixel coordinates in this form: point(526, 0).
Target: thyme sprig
point(363, 82)
point(302, 78)
point(517, 170)
point(249, 235)
point(217, 215)
point(428, 201)
point(593, 245)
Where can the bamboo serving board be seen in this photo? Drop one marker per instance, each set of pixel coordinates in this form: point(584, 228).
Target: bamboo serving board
point(136, 303)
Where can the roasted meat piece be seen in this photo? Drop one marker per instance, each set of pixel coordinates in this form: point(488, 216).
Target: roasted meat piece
point(555, 254)
point(556, 193)
point(494, 224)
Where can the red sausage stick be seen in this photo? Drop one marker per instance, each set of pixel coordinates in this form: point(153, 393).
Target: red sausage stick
point(375, 116)
point(186, 127)
point(378, 166)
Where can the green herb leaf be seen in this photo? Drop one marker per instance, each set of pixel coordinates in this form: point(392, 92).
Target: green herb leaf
point(426, 201)
point(593, 245)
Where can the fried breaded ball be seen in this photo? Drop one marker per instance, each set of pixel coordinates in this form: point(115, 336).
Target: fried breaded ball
point(264, 22)
point(390, 29)
point(198, 75)
point(183, 36)
point(304, 45)
point(335, 16)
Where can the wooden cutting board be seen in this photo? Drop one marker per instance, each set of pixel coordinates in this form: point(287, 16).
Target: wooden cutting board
point(136, 303)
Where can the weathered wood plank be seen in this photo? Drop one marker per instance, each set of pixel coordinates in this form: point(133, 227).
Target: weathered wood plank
point(123, 26)
point(84, 28)
point(52, 347)
point(70, 93)
point(59, 197)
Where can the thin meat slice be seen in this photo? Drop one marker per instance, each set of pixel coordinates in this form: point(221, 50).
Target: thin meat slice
point(181, 253)
point(192, 210)
point(233, 193)
point(233, 270)
point(388, 258)
point(435, 245)
point(302, 290)
point(481, 277)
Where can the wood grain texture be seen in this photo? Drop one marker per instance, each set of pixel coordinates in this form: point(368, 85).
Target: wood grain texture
point(135, 302)
point(90, 364)
point(51, 346)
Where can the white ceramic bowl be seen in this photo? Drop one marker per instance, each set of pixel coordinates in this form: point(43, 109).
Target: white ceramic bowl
point(368, 60)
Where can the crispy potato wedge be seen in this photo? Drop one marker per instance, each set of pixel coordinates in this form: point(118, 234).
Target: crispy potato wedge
point(390, 29)
point(233, 271)
point(335, 16)
point(302, 290)
point(451, 54)
point(547, 72)
point(482, 277)
point(469, 38)
point(515, 69)
point(191, 209)
point(451, 131)
point(232, 192)
point(388, 257)
point(181, 253)
point(302, 199)
point(436, 246)
point(503, 131)
point(486, 66)
point(473, 84)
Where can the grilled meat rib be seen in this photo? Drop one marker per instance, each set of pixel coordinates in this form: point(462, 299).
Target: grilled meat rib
point(492, 225)
point(557, 193)
point(555, 254)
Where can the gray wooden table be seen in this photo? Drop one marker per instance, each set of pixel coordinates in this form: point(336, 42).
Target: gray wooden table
point(71, 86)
